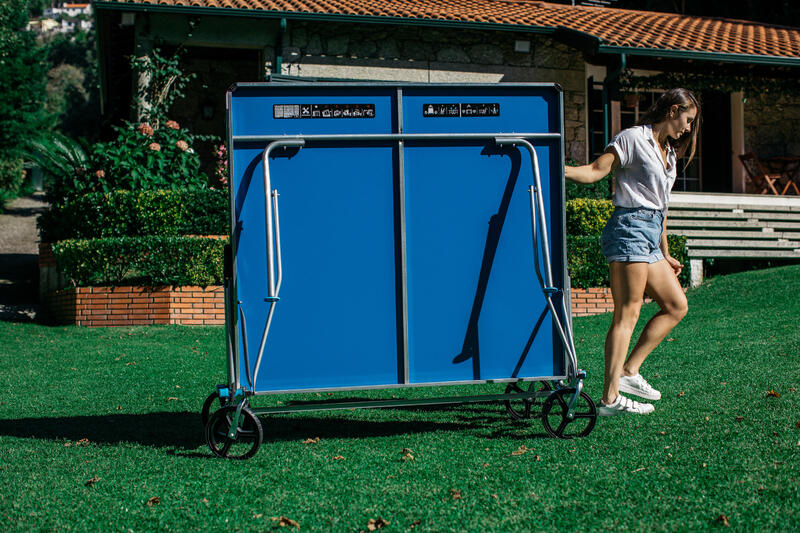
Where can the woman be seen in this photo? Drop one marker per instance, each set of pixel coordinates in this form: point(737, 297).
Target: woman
point(634, 240)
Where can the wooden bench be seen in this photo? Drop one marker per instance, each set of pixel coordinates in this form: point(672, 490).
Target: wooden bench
point(735, 226)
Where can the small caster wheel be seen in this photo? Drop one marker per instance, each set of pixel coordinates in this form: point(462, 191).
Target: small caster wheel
point(521, 409)
point(558, 424)
point(248, 436)
point(206, 412)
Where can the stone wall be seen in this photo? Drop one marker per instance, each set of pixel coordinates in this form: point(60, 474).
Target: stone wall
point(441, 55)
point(772, 125)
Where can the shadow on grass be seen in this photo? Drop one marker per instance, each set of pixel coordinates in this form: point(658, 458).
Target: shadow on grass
point(182, 432)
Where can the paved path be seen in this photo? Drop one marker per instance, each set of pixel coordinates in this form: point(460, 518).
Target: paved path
point(19, 258)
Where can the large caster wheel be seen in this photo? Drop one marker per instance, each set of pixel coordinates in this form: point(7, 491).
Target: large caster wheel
point(520, 409)
point(558, 424)
point(206, 411)
point(248, 437)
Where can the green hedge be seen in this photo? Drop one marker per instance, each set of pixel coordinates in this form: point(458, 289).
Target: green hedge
point(127, 214)
point(587, 216)
point(588, 267)
point(149, 261)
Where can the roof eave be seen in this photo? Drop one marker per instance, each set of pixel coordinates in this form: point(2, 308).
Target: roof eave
point(775, 61)
point(323, 17)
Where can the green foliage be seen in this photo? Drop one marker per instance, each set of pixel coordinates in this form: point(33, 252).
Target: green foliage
point(138, 213)
point(152, 260)
point(748, 83)
point(148, 156)
point(597, 190)
point(588, 267)
point(65, 164)
point(22, 80)
point(12, 177)
point(586, 216)
point(167, 84)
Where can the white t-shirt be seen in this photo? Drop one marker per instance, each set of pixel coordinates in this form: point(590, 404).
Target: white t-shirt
point(642, 178)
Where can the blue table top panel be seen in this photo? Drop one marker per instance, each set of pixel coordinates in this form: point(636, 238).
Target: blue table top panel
point(471, 286)
point(480, 109)
point(254, 110)
point(473, 298)
point(335, 323)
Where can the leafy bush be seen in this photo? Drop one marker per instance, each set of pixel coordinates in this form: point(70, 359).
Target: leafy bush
point(12, 177)
point(588, 267)
point(141, 261)
point(145, 156)
point(587, 216)
point(126, 213)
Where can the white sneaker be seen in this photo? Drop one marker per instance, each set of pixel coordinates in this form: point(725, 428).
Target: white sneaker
point(624, 405)
point(638, 386)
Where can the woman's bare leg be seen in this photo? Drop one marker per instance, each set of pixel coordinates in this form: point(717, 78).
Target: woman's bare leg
point(628, 282)
point(664, 288)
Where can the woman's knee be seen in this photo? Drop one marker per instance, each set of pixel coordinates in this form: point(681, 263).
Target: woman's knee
point(626, 316)
point(677, 308)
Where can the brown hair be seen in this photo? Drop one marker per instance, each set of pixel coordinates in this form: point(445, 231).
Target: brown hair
point(659, 111)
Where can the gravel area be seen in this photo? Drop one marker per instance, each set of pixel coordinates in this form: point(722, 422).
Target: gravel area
point(19, 258)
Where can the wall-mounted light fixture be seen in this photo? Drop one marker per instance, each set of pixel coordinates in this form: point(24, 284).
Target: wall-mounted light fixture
point(522, 46)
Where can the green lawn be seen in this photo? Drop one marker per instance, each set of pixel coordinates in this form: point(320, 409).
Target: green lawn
point(120, 407)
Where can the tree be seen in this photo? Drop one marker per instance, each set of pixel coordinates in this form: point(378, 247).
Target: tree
point(22, 80)
point(22, 93)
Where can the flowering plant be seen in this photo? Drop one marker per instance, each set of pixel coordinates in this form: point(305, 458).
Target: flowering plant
point(221, 167)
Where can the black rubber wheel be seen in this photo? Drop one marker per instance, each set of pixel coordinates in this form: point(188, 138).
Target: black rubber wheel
point(554, 415)
point(206, 411)
point(248, 437)
point(521, 409)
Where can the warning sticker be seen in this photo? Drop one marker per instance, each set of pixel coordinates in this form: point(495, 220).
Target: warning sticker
point(323, 111)
point(460, 110)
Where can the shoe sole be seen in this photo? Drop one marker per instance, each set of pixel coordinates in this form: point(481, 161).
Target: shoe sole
point(615, 412)
point(637, 392)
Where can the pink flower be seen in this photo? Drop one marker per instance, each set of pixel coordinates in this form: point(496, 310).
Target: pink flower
point(145, 129)
point(182, 145)
point(171, 124)
point(100, 174)
point(155, 147)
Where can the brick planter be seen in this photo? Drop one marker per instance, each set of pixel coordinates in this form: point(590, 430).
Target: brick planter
point(137, 306)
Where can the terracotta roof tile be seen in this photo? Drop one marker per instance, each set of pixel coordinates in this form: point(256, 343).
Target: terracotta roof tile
point(615, 27)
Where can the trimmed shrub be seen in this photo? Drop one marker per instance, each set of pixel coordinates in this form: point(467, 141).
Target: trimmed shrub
point(127, 214)
point(588, 267)
point(587, 216)
point(141, 261)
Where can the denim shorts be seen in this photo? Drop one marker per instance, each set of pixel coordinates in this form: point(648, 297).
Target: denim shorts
point(633, 235)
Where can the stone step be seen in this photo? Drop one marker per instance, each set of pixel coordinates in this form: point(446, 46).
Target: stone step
point(742, 244)
point(730, 215)
point(743, 254)
point(755, 233)
point(731, 224)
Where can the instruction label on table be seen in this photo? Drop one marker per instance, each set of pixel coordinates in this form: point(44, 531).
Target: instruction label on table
point(323, 111)
point(460, 110)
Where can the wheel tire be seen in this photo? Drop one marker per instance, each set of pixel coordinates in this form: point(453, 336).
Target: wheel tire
point(554, 415)
point(521, 409)
point(205, 413)
point(248, 437)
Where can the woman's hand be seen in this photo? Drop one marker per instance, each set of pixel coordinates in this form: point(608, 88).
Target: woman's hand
point(674, 264)
point(594, 171)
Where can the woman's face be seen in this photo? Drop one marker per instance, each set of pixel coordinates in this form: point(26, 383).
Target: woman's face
point(681, 121)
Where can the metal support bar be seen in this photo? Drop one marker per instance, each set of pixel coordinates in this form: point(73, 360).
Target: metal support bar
point(452, 400)
point(547, 283)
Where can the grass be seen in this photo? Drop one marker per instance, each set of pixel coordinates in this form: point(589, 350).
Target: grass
point(96, 423)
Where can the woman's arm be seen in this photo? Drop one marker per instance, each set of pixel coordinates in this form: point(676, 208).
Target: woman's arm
point(671, 261)
point(596, 171)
